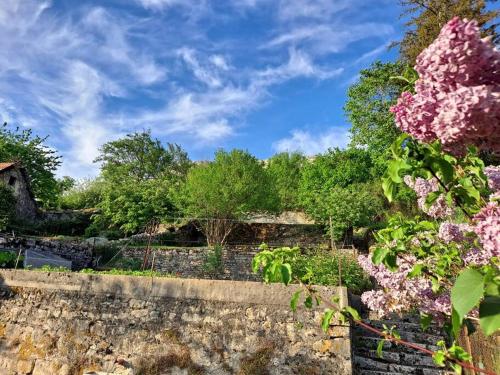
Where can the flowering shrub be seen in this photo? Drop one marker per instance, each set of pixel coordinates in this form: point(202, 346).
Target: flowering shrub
point(445, 264)
point(457, 97)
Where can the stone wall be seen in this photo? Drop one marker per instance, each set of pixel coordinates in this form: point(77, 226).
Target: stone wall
point(60, 323)
point(79, 253)
point(190, 262)
point(16, 178)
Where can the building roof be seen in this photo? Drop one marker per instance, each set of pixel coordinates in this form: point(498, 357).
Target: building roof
point(6, 166)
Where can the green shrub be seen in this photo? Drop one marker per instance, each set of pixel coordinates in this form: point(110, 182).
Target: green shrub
point(322, 268)
point(7, 206)
point(213, 262)
point(8, 259)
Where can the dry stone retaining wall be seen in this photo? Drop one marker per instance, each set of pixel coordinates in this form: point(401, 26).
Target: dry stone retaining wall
point(79, 253)
point(190, 262)
point(65, 324)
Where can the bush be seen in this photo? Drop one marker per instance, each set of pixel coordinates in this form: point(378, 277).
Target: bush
point(8, 259)
point(7, 206)
point(213, 262)
point(321, 268)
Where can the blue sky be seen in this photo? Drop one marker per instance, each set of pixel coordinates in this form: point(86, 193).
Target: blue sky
point(262, 75)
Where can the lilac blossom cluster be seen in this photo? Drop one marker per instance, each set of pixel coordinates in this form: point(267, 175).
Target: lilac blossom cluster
point(493, 174)
point(400, 293)
point(487, 229)
point(457, 96)
point(423, 187)
point(452, 232)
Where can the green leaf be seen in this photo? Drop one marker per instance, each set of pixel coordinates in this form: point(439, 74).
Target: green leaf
point(353, 312)
point(295, 299)
point(439, 358)
point(379, 255)
point(388, 188)
point(286, 273)
point(390, 261)
point(443, 168)
point(325, 321)
point(395, 168)
point(380, 347)
point(425, 321)
point(308, 302)
point(456, 322)
point(489, 314)
point(467, 291)
point(416, 271)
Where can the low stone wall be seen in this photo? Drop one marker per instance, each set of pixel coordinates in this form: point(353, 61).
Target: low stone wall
point(60, 323)
point(79, 253)
point(190, 262)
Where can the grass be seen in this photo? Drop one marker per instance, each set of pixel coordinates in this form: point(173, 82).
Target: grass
point(114, 271)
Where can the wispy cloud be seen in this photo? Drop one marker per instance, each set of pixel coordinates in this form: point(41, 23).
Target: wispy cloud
point(88, 74)
point(313, 144)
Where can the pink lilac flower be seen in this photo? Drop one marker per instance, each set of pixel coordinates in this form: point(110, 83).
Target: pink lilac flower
point(400, 293)
point(452, 232)
point(457, 97)
point(487, 228)
point(493, 174)
point(423, 187)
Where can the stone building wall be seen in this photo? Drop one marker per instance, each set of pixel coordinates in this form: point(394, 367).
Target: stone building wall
point(60, 323)
point(79, 253)
point(26, 208)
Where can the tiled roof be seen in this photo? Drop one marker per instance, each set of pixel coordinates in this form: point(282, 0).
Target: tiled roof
point(5, 166)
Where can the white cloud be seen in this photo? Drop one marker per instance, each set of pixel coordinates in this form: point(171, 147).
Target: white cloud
point(207, 75)
point(312, 144)
point(329, 38)
point(319, 9)
point(373, 53)
point(299, 65)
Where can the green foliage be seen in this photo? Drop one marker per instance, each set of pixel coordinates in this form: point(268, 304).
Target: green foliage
point(138, 177)
point(288, 265)
point(7, 206)
point(117, 271)
point(40, 161)
point(213, 262)
point(427, 18)
point(357, 205)
point(82, 194)
point(333, 185)
point(232, 186)
point(8, 259)
point(367, 109)
point(285, 170)
point(464, 185)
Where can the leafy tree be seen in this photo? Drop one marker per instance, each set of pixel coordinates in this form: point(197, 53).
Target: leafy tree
point(367, 109)
point(285, 170)
point(7, 205)
point(138, 176)
point(84, 194)
point(329, 178)
point(227, 189)
point(354, 206)
point(39, 160)
point(427, 17)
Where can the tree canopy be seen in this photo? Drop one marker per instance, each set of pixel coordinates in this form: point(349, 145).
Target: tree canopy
point(137, 179)
point(427, 17)
point(39, 160)
point(332, 180)
point(367, 109)
point(285, 170)
point(228, 188)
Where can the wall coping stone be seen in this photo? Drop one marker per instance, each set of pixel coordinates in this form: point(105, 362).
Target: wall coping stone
point(246, 292)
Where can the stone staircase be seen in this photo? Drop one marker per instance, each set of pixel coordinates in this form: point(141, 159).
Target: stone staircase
point(396, 359)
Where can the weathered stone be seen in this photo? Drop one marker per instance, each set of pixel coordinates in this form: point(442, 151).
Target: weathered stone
point(111, 323)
